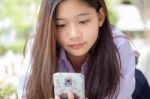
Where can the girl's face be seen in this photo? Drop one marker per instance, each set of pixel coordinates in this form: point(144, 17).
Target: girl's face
point(77, 26)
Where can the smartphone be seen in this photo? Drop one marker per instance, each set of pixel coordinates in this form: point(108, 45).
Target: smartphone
point(69, 82)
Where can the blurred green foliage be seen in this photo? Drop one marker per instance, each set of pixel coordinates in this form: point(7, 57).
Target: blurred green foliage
point(8, 90)
point(112, 11)
point(127, 1)
point(21, 14)
point(16, 47)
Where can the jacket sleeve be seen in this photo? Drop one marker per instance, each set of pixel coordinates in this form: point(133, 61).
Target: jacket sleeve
point(127, 78)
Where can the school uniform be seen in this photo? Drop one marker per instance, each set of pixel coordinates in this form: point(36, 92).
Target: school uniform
point(127, 56)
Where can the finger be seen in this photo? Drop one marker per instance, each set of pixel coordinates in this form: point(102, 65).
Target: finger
point(57, 97)
point(70, 95)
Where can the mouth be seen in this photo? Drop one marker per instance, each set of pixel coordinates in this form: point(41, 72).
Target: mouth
point(77, 46)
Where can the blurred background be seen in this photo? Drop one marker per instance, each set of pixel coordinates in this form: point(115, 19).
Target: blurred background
point(18, 20)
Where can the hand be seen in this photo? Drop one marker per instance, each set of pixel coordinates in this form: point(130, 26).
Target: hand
point(70, 96)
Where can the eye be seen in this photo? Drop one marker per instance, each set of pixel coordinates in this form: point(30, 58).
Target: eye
point(60, 25)
point(84, 21)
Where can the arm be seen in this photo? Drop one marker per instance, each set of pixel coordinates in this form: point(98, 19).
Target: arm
point(127, 57)
point(127, 79)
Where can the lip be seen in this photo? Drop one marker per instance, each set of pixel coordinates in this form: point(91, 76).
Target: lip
point(77, 46)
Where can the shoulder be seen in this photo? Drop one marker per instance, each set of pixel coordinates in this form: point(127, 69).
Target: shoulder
point(127, 60)
point(120, 38)
point(126, 51)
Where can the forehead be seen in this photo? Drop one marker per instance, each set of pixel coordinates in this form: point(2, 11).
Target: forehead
point(70, 3)
point(72, 8)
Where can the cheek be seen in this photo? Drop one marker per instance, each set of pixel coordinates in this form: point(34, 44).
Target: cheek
point(92, 33)
point(61, 38)
point(93, 27)
point(94, 36)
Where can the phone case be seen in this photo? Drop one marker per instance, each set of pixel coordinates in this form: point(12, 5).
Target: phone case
point(69, 82)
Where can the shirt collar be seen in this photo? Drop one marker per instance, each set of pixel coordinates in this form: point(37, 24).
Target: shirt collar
point(68, 66)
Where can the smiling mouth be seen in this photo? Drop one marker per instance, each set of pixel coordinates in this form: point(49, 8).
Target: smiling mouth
point(77, 46)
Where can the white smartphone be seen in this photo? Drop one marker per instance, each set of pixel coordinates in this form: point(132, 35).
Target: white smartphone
point(69, 82)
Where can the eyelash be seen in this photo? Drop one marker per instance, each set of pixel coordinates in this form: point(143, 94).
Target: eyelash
point(84, 22)
point(80, 22)
point(61, 26)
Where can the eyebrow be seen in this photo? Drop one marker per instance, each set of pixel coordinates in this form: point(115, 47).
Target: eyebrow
point(81, 14)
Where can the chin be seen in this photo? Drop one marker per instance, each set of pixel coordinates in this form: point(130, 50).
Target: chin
point(78, 53)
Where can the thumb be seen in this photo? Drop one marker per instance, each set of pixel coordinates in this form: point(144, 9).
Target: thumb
point(70, 95)
point(57, 97)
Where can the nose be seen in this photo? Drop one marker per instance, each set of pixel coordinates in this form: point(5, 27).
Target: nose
point(75, 33)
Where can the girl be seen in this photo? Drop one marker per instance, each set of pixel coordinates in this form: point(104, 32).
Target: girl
point(76, 36)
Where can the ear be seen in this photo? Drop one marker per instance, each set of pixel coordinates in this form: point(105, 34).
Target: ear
point(101, 16)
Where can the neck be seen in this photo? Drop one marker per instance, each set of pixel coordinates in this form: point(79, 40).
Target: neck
point(77, 61)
